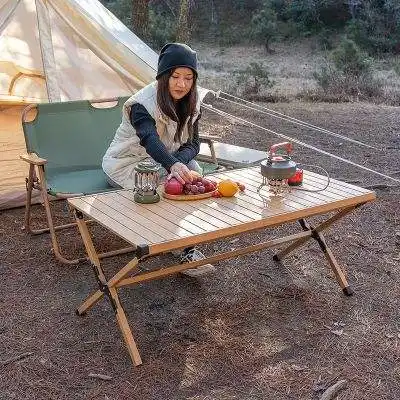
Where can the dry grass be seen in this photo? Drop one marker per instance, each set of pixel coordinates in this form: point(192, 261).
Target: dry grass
point(291, 67)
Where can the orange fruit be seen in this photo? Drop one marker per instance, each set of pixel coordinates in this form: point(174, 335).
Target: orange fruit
point(227, 188)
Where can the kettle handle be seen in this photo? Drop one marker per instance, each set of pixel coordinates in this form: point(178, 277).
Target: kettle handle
point(286, 146)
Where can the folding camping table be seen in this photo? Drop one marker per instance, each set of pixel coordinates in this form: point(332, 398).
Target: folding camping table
point(169, 225)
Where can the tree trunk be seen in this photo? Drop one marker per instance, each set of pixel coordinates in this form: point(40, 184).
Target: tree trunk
point(182, 30)
point(140, 18)
point(353, 5)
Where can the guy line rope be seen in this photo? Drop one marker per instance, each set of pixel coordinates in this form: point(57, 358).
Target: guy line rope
point(306, 145)
point(276, 114)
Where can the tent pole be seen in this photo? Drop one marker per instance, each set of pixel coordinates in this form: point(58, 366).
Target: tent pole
point(46, 47)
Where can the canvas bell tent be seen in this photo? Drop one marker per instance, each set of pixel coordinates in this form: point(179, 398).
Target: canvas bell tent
point(59, 50)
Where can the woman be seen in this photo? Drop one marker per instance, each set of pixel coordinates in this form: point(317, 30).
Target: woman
point(161, 121)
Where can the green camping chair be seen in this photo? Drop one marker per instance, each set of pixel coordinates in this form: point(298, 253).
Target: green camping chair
point(65, 144)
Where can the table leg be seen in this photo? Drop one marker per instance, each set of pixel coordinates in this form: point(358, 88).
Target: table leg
point(89, 302)
point(96, 296)
point(109, 289)
point(316, 233)
point(324, 225)
point(125, 329)
point(340, 276)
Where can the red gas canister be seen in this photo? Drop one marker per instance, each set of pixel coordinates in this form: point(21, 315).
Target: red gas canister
point(297, 178)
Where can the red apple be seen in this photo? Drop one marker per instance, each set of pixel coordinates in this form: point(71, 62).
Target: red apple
point(173, 186)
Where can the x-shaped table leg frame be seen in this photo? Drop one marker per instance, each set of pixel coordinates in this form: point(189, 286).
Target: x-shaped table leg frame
point(316, 233)
point(110, 287)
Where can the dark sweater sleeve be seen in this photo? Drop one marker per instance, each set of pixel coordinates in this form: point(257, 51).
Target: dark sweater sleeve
point(147, 132)
point(190, 149)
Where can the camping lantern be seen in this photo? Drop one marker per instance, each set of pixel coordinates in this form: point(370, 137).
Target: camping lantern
point(278, 168)
point(146, 182)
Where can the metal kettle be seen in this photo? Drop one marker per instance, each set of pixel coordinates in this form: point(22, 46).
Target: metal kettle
point(278, 165)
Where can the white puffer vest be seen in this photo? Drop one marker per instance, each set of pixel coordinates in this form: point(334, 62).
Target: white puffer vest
point(125, 150)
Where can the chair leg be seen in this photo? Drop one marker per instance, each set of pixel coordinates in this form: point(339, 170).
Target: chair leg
point(51, 228)
point(30, 184)
point(42, 187)
point(29, 188)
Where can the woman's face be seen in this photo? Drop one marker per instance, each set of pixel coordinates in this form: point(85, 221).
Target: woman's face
point(180, 82)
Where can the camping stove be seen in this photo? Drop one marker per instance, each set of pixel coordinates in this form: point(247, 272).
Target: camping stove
point(278, 168)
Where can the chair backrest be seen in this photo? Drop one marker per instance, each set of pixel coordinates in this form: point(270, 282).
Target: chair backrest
point(74, 134)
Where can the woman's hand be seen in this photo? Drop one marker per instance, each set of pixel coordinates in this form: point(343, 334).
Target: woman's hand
point(181, 172)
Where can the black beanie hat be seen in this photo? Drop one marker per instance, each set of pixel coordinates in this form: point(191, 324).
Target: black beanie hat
point(174, 55)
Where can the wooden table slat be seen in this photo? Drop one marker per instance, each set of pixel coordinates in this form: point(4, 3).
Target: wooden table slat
point(290, 199)
point(198, 220)
point(190, 224)
point(271, 202)
point(171, 224)
point(199, 209)
point(321, 179)
point(312, 182)
point(106, 221)
point(119, 205)
point(99, 202)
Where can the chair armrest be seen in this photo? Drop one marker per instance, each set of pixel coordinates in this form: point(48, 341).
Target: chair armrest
point(33, 158)
point(208, 138)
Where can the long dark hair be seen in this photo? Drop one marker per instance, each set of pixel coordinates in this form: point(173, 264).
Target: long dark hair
point(177, 111)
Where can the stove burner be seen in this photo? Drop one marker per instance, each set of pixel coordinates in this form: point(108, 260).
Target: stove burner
point(278, 187)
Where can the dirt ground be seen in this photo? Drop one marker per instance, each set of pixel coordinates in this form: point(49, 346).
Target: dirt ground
point(253, 330)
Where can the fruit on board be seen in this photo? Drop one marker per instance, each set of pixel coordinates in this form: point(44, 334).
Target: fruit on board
point(241, 186)
point(227, 188)
point(209, 185)
point(199, 185)
point(216, 194)
point(173, 186)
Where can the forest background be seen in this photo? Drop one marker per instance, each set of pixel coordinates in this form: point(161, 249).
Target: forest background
point(277, 50)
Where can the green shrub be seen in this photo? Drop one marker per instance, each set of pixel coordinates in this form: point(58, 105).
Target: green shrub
point(325, 39)
point(264, 26)
point(252, 80)
point(335, 84)
point(313, 15)
point(232, 35)
point(377, 26)
point(347, 75)
point(349, 59)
